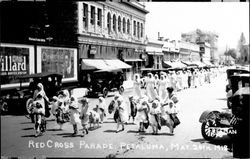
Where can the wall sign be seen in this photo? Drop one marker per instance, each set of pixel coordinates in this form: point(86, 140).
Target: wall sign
point(15, 60)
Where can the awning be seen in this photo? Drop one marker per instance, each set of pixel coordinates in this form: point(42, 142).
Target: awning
point(178, 64)
point(199, 64)
point(189, 63)
point(103, 64)
point(132, 60)
point(155, 53)
point(208, 63)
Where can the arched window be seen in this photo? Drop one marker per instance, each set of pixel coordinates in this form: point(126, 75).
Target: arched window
point(138, 29)
point(123, 25)
point(119, 23)
point(109, 22)
point(134, 28)
point(114, 22)
point(141, 30)
point(128, 26)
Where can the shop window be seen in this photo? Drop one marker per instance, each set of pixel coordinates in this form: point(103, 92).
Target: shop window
point(85, 15)
point(123, 25)
point(92, 17)
point(109, 22)
point(138, 29)
point(114, 23)
point(99, 17)
point(141, 30)
point(134, 28)
point(128, 26)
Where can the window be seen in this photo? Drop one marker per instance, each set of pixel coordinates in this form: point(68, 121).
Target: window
point(119, 23)
point(141, 30)
point(138, 29)
point(109, 22)
point(123, 25)
point(92, 16)
point(128, 26)
point(99, 17)
point(85, 15)
point(114, 22)
point(134, 28)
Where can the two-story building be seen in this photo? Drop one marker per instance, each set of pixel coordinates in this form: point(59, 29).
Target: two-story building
point(154, 54)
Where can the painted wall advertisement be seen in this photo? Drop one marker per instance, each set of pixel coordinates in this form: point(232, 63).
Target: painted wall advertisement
point(14, 62)
point(58, 60)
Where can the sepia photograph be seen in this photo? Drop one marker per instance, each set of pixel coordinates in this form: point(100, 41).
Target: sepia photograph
point(124, 79)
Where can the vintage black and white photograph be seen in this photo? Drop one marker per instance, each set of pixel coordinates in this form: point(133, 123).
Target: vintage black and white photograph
point(124, 79)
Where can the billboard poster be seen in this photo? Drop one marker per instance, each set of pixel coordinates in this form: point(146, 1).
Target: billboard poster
point(58, 60)
point(15, 60)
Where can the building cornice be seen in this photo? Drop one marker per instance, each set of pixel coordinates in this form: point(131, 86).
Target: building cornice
point(109, 42)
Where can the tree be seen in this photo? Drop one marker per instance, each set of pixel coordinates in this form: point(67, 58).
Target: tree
point(232, 53)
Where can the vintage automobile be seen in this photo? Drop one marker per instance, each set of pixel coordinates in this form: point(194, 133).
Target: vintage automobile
point(104, 81)
point(17, 101)
point(215, 121)
point(230, 73)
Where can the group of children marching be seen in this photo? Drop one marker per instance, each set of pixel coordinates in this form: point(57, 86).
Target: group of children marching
point(66, 108)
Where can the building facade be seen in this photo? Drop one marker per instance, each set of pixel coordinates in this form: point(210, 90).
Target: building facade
point(189, 51)
point(57, 40)
point(199, 36)
point(154, 54)
point(112, 30)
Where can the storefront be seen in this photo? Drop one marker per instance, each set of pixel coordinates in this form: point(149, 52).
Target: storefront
point(19, 59)
point(16, 60)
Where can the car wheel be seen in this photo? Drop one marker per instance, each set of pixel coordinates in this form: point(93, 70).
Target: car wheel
point(29, 103)
point(206, 131)
point(105, 92)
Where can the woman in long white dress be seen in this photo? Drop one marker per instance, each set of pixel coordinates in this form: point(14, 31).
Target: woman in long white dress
point(162, 88)
point(74, 114)
point(142, 112)
point(137, 85)
point(123, 112)
point(150, 87)
point(156, 82)
point(154, 116)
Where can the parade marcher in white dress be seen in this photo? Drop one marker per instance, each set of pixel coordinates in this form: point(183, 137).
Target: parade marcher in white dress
point(155, 116)
point(195, 79)
point(123, 112)
point(178, 81)
point(84, 115)
point(39, 111)
point(74, 114)
point(142, 113)
point(156, 83)
point(185, 80)
point(162, 88)
point(150, 87)
point(137, 86)
point(100, 108)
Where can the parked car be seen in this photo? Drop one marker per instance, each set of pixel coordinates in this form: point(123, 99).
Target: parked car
point(214, 121)
point(17, 101)
point(104, 81)
point(230, 73)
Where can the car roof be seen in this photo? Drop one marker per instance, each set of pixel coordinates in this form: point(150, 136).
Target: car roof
point(37, 75)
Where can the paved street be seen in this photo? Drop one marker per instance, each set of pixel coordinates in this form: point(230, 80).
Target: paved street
point(17, 133)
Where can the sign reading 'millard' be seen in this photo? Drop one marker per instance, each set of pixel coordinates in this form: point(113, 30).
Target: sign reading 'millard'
point(13, 64)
